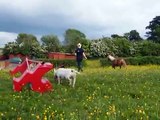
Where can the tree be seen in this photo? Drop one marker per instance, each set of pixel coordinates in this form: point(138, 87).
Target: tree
point(24, 38)
point(116, 36)
point(29, 45)
point(100, 47)
point(148, 48)
point(51, 43)
point(154, 27)
point(37, 51)
point(72, 38)
point(133, 35)
point(117, 46)
point(123, 47)
point(11, 48)
point(26, 43)
point(126, 35)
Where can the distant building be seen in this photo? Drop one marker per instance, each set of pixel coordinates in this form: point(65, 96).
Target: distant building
point(60, 56)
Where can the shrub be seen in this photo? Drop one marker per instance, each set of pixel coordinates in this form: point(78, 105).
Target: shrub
point(135, 60)
point(143, 60)
point(104, 62)
point(66, 62)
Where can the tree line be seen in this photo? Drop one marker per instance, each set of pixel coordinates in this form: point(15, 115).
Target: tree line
point(130, 44)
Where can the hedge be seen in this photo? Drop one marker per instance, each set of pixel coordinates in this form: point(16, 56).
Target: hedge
point(66, 62)
point(143, 60)
point(135, 60)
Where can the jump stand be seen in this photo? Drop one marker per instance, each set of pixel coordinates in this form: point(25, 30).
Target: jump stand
point(32, 73)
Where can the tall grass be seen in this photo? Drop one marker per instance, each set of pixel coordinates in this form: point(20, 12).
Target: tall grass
point(100, 93)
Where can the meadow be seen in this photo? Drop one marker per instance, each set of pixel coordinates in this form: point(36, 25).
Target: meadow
point(100, 93)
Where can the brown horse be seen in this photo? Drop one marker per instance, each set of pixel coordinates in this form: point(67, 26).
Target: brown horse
point(117, 61)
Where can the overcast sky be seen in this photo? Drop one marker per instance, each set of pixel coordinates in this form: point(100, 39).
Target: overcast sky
point(94, 18)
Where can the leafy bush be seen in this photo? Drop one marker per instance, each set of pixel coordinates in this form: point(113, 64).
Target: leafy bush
point(143, 60)
point(105, 62)
point(66, 63)
point(118, 46)
point(135, 60)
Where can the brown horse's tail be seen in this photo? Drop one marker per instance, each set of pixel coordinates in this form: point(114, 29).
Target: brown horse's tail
point(123, 63)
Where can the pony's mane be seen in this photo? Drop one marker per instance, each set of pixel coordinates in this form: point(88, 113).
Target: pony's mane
point(111, 58)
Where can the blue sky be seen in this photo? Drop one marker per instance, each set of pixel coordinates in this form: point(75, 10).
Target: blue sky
point(95, 18)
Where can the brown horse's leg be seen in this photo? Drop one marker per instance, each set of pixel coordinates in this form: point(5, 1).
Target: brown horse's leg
point(120, 63)
point(113, 65)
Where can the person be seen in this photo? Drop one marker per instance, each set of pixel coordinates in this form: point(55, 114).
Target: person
point(79, 52)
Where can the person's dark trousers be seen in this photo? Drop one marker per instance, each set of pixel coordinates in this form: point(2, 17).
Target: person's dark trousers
point(79, 65)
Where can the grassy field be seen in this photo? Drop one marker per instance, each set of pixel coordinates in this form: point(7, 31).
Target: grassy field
point(101, 93)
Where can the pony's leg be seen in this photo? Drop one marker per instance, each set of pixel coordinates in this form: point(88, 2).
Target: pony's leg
point(70, 81)
point(59, 80)
point(120, 63)
point(124, 63)
point(113, 66)
point(74, 81)
point(120, 66)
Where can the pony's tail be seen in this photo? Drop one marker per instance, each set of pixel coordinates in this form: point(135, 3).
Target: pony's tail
point(124, 63)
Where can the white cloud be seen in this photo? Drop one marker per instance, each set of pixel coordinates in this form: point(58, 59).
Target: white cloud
point(93, 17)
point(6, 37)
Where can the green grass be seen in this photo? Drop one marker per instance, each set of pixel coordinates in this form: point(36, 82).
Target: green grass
point(100, 93)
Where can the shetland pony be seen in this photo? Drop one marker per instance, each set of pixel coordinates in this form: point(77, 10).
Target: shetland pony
point(117, 61)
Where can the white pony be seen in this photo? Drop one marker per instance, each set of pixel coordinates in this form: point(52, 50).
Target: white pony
point(66, 73)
